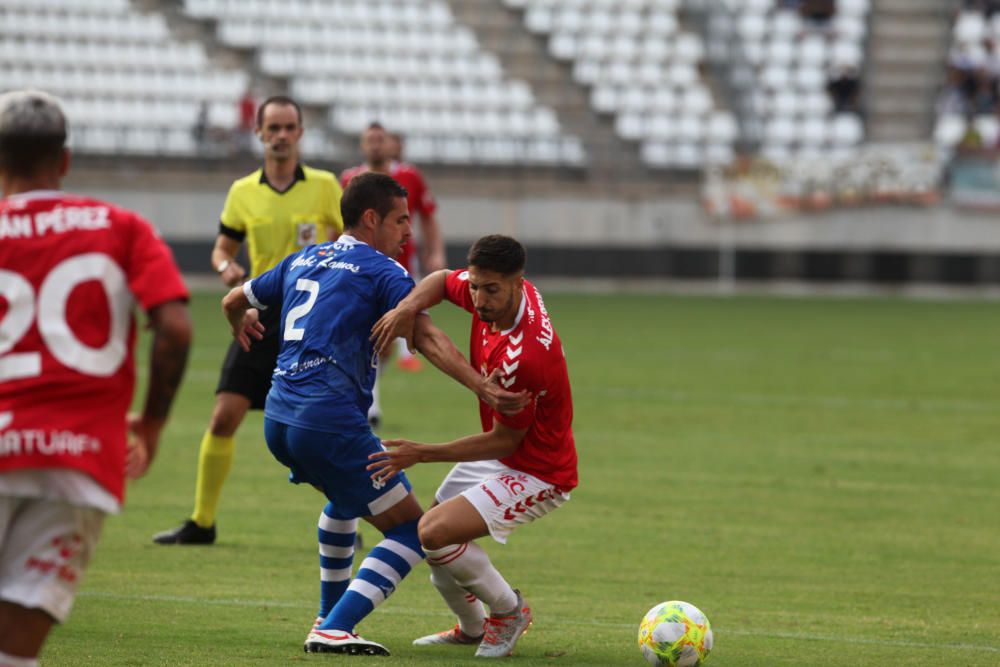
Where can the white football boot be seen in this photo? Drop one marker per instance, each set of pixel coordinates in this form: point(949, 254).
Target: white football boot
point(338, 641)
point(503, 630)
point(453, 636)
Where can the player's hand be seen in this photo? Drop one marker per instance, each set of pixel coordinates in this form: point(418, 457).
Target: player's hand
point(143, 441)
point(248, 328)
point(399, 455)
point(234, 274)
point(503, 401)
point(397, 323)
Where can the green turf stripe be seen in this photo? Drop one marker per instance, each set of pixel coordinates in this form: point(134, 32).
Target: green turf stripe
point(404, 611)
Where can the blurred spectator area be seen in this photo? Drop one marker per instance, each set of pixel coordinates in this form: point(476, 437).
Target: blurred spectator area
point(643, 67)
point(428, 78)
point(128, 86)
point(795, 69)
point(679, 83)
point(967, 104)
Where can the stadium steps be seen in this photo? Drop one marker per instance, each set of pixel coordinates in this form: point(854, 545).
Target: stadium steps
point(906, 56)
point(183, 26)
point(715, 76)
point(501, 30)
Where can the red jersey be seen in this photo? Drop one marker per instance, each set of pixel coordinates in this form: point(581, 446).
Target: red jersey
point(419, 199)
point(530, 356)
point(70, 267)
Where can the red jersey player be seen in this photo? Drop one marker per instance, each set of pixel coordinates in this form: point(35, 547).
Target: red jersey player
point(520, 468)
point(376, 147)
point(71, 268)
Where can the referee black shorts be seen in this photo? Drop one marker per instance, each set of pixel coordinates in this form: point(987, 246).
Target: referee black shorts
point(249, 373)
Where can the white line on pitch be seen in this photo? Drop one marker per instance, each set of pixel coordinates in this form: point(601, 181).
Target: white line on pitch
point(406, 611)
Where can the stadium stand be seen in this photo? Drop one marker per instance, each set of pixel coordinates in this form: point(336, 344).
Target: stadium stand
point(683, 83)
point(429, 79)
point(792, 60)
point(128, 85)
point(642, 67)
point(967, 105)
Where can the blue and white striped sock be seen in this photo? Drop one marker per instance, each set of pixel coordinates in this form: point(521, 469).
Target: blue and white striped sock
point(379, 574)
point(336, 557)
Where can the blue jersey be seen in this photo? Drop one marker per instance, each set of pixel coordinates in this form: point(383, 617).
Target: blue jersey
point(330, 296)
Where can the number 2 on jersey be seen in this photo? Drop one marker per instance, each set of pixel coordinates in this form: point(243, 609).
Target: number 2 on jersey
point(298, 312)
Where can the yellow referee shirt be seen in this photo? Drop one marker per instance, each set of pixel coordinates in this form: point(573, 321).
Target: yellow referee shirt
point(276, 224)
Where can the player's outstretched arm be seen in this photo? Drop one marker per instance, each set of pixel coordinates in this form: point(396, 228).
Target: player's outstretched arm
point(244, 321)
point(401, 454)
point(399, 322)
point(441, 351)
point(171, 325)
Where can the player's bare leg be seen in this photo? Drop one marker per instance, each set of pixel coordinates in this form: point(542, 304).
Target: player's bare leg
point(22, 630)
point(465, 605)
point(447, 533)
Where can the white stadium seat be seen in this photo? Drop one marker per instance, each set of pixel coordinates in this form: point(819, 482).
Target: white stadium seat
point(846, 130)
point(970, 27)
point(989, 128)
point(949, 130)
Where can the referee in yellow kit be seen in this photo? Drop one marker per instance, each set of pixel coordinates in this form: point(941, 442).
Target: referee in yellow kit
point(277, 210)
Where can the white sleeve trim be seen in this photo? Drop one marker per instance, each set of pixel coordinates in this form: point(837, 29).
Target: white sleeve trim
point(248, 292)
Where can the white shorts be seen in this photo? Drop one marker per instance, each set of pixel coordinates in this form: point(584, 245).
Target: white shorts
point(45, 546)
point(504, 497)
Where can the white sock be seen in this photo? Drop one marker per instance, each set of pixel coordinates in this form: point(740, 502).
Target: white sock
point(402, 350)
point(376, 407)
point(471, 568)
point(465, 605)
point(7, 660)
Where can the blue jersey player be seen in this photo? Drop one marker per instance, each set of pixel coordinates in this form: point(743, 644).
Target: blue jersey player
point(315, 418)
point(330, 295)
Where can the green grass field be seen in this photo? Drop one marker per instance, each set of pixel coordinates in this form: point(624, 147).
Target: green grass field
point(819, 476)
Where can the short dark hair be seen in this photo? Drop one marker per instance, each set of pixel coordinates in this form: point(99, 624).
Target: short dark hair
point(32, 132)
point(283, 100)
point(498, 253)
point(369, 190)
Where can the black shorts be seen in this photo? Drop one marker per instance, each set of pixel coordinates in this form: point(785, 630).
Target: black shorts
point(249, 373)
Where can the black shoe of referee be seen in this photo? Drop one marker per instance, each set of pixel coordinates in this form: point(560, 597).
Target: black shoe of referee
point(187, 533)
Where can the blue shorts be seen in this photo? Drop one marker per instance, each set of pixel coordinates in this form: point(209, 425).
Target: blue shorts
point(335, 463)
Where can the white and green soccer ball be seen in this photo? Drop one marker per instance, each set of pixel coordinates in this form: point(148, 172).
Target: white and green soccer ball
point(675, 634)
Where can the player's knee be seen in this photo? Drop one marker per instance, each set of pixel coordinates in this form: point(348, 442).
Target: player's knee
point(432, 533)
point(425, 533)
point(224, 421)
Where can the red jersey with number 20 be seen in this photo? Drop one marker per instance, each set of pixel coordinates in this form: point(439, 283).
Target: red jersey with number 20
point(529, 356)
point(71, 269)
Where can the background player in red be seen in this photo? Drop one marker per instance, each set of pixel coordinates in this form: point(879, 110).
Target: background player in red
point(378, 151)
point(520, 468)
point(70, 269)
point(394, 147)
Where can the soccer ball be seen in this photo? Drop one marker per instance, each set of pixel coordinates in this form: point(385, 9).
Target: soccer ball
point(675, 634)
